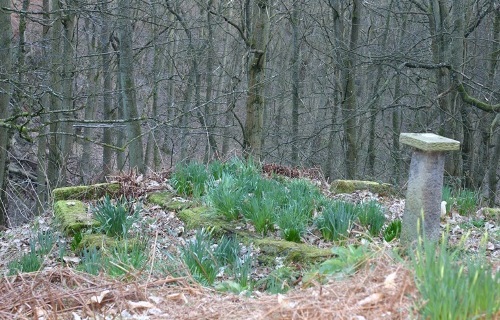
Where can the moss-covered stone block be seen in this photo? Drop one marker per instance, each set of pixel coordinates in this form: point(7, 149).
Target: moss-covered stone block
point(349, 186)
point(202, 217)
point(167, 200)
point(73, 216)
point(96, 240)
point(105, 243)
point(91, 192)
point(492, 213)
point(292, 251)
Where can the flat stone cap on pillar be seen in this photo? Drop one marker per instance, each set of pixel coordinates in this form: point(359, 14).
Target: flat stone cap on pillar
point(429, 142)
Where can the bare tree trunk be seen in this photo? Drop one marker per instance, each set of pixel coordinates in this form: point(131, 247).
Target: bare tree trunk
point(375, 101)
point(41, 172)
point(129, 102)
point(253, 128)
point(210, 108)
point(5, 89)
point(494, 163)
point(107, 139)
point(486, 143)
point(349, 100)
point(296, 64)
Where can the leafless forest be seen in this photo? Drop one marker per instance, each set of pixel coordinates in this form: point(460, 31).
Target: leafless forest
point(92, 88)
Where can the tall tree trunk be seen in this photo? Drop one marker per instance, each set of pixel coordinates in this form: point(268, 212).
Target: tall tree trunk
point(210, 108)
point(486, 144)
point(375, 101)
point(494, 163)
point(349, 99)
point(55, 156)
point(41, 171)
point(253, 128)
point(295, 65)
point(5, 89)
point(107, 138)
point(129, 102)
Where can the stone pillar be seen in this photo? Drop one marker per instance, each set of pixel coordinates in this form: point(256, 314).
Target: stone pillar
point(425, 185)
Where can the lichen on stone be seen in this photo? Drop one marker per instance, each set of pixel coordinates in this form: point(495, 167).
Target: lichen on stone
point(73, 216)
point(92, 192)
point(167, 200)
point(349, 186)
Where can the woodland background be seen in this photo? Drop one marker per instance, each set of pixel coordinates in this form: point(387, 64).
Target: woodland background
point(92, 88)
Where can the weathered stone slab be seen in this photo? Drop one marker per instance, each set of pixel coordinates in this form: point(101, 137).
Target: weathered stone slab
point(429, 142)
point(92, 192)
point(167, 200)
point(73, 216)
point(349, 186)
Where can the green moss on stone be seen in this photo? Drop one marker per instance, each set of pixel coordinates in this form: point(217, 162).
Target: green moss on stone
point(349, 186)
point(201, 217)
point(292, 251)
point(166, 200)
point(91, 192)
point(96, 240)
point(73, 216)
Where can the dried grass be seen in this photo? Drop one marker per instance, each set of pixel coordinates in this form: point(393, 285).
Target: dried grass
point(381, 290)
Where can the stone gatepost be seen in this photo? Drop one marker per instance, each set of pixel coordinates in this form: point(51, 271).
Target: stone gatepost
point(425, 185)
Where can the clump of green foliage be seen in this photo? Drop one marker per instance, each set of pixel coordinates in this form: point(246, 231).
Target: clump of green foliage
point(336, 219)
point(371, 216)
point(467, 201)
point(463, 200)
point(292, 220)
point(261, 211)
point(189, 180)
point(116, 219)
point(205, 259)
point(279, 280)
point(41, 244)
point(226, 195)
point(453, 287)
point(121, 260)
point(393, 230)
point(347, 260)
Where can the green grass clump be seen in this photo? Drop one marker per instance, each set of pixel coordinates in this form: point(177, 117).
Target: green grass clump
point(293, 220)
point(226, 195)
point(116, 219)
point(205, 259)
point(453, 287)
point(91, 261)
point(189, 180)
point(127, 258)
point(447, 195)
point(347, 260)
point(463, 200)
point(392, 231)
point(466, 202)
point(371, 216)
point(336, 219)
point(46, 241)
point(279, 280)
point(28, 262)
point(261, 212)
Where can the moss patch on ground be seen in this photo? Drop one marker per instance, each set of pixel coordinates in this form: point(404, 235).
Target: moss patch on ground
point(167, 200)
point(349, 186)
point(91, 192)
point(73, 216)
point(292, 251)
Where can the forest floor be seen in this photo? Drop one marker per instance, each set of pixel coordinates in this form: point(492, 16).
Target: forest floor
point(384, 288)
